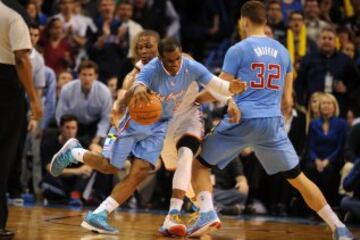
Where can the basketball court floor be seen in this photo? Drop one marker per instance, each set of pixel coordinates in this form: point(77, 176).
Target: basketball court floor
point(48, 223)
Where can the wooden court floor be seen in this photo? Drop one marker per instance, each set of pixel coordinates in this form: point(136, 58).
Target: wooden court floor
point(60, 223)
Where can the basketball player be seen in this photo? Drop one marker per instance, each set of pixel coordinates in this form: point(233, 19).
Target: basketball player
point(265, 65)
point(169, 76)
point(182, 141)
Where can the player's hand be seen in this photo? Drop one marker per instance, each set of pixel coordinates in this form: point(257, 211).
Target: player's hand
point(96, 148)
point(319, 165)
point(242, 185)
point(237, 86)
point(141, 95)
point(84, 170)
point(32, 126)
point(233, 111)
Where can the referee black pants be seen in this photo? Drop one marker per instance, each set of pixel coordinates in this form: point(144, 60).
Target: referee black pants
point(12, 111)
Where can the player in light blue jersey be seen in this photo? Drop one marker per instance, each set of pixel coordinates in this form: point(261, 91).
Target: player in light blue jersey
point(265, 65)
point(169, 76)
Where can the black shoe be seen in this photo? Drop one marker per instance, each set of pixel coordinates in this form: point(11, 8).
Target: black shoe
point(6, 234)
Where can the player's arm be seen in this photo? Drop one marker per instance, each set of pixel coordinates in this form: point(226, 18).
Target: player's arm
point(288, 88)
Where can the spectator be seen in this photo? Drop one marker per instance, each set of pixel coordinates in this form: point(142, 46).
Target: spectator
point(230, 188)
point(297, 41)
point(312, 19)
point(74, 27)
point(275, 20)
point(348, 49)
point(290, 6)
point(326, 144)
point(72, 182)
point(313, 109)
point(128, 28)
point(90, 101)
point(159, 15)
point(327, 70)
point(63, 78)
point(104, 46)
point(112, 85)
point(58, 53)
point(351, 204)
point(40, 18)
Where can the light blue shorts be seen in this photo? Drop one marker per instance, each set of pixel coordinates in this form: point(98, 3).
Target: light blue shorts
point(135, 140)
point(266, 136)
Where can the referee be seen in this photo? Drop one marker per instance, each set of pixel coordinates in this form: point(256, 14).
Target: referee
point(15, 77)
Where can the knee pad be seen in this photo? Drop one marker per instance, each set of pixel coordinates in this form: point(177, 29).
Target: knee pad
point(190, 142)
point(292, 173)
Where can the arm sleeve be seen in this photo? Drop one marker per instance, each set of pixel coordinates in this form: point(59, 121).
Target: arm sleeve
point(19, 36)
point(103, 125)
point(231, 62)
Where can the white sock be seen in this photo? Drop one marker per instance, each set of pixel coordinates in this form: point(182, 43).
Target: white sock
point(328, 215)
point(78, 154)
point(205, 201)
point(176, 204)
point(109, 204)
point(182, 176)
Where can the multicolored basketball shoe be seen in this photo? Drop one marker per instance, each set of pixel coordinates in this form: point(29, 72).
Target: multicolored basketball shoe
point(98, 222)
point(173, 226)
point(206, 223)
point(342, 233)
point(63, 157)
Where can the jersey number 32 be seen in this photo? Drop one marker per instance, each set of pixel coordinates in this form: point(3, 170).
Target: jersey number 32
point(273, 74)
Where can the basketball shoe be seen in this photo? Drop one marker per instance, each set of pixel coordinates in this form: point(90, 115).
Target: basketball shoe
point(63, 157)
point(98, 222)
point(206, 223)
point(342, 233)
point(173, 226)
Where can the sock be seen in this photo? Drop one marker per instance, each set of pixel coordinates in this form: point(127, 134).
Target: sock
point(328, 215)
point(205, 201)
point(176, 204)
point(182, 176)
point(78, 154)
point(109, 204)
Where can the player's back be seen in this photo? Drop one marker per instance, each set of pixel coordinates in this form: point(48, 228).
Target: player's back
point(263, 63)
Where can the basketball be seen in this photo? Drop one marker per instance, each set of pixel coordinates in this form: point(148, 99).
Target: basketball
point(146, 114)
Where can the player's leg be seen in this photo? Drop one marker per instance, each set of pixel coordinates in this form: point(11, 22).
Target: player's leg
point(217, 150)
point(276, 154)
point(98, 220)
point(187, 147)
point(317, 202)
point(73, 152)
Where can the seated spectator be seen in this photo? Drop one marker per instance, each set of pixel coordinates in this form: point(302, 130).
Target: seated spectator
point(312, 19)
point(72, 182)
point(106, 47)
point(90, 101)
point(327, 70)
point(297, 42)
point(275, 21)
point(313, 109)
point(40, 17)
point(230, 188)
point(326, 145)
point(351, 204)
point(58, 53)
point(63, 78)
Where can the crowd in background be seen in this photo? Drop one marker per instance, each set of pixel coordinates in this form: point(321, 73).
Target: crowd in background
point(83, 49)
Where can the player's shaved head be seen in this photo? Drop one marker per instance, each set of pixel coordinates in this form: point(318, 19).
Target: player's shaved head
point(168, 45)
point(255, 11)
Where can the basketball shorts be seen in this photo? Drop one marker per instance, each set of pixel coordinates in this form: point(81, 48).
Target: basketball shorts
point(266, 136)
point(189, 123)
point(134, 140)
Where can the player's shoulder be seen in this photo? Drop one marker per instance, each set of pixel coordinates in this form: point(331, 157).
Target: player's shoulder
point(153, 64)
point(192, 64)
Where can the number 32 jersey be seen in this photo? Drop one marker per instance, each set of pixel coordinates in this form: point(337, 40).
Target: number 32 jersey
point(263, 64)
